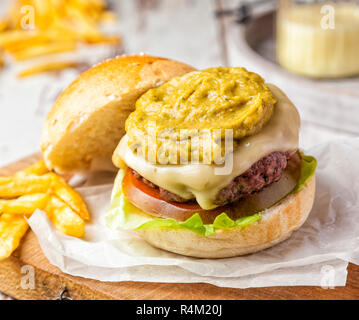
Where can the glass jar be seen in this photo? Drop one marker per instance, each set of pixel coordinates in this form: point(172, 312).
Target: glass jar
point(318, 39)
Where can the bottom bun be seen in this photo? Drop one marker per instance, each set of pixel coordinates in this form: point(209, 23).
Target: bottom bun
point(276, 225)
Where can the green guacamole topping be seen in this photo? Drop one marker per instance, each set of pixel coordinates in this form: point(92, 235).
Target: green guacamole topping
point(214, 99)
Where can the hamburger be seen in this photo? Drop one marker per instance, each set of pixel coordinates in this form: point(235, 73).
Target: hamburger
point(210, 166)
point(208, 161)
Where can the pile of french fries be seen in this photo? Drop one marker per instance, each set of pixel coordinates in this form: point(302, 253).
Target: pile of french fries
point(37, 188)
point(34, 28)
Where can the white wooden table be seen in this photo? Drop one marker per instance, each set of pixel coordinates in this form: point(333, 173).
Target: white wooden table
point(186, 30)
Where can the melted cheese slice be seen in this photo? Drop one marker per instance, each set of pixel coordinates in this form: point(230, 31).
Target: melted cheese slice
point(203, 181)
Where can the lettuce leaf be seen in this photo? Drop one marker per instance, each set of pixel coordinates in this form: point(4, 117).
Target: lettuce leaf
point(309, 164)
point(122, 214)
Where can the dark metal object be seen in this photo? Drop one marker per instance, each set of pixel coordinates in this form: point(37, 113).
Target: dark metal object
point(243, 12)
point(64, 295)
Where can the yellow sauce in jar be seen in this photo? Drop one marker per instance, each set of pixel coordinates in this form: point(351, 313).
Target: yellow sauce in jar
point(319, 40)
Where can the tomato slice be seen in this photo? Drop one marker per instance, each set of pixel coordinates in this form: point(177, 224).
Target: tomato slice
point(148, 199)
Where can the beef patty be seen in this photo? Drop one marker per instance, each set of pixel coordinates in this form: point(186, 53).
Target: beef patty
point(261, 174)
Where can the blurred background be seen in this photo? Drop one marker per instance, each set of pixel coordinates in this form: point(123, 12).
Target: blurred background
point(308, 48)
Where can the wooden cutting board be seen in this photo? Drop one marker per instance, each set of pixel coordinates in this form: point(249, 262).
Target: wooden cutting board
point(50, 281)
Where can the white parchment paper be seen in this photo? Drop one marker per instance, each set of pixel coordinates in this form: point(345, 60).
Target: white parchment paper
point(316, 254)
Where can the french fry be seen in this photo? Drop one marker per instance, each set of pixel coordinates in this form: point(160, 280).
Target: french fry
point(12, 229)
point(37, 188)
point(16, 186)
point(12, 36)
point(47, 67)
point(18, 46)
point(70, 196)
point(24, 205)
point(41, 50)
point(102, 39)
point(38, 168)
point(108, 16)
point(3, 25)
point(64, 218)
point(58, 26)
point(27, 182)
